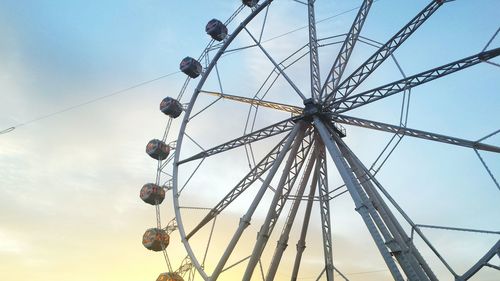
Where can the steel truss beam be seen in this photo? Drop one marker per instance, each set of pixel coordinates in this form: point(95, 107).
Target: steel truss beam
point(363, 206)
point(359, 75)
point(295, 137)
point(349, 103)
point(343, 119)
point(313, 53)
point(249, 179)
point(285, 233)
point(340, 63)
point(289, 176)
point(275, 129)
point(324, 204)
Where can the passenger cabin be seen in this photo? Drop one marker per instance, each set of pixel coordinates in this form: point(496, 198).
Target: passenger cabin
point(216, 29)
point(250, 3)
point(155, 239)
point(152, 194)
point(191, 67)
point(171, 107)
point(169, 276)
point(157, 149)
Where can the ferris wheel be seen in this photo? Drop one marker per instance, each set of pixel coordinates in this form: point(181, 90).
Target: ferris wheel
point(264, 154)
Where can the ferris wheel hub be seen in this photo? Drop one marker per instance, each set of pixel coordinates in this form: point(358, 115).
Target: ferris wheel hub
point(311, 108)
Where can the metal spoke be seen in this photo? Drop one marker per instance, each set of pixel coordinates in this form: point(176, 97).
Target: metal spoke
point(272, 130)
point(366, 173)
point(487, 169)
point(413, 133)
point(296, 137)
point(190, 177)
point(264, 24)
point(264, 90)
point(248, 180)
point(491, 39)
point(289, 176)
point(390, 89)
point(313, 53)
point(361, 73)
point(342, 59)
point(208, 242)
point(282, 72)
point(301, 244)
point(458, 229)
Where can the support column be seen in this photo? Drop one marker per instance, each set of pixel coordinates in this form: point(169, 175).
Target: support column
point(297, 133)
point(263, 234)
point(354, 190)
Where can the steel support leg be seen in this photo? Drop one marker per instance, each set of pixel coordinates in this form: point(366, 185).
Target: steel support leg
point(285, 234)
point(297, 135)
point(263, 234)
point(326, 226)
point(301, 244)
point(403, 252)
point(354, 188)
point(313, 53)
point(408, 248)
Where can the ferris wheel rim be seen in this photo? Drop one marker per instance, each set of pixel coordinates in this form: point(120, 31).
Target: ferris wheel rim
point(185, 120)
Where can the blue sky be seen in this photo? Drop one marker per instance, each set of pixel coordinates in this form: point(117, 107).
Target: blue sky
point(69, 184)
